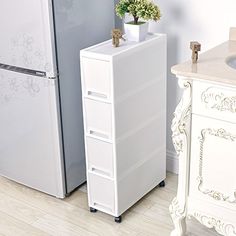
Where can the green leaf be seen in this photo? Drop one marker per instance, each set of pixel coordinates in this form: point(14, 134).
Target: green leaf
point(139, 9)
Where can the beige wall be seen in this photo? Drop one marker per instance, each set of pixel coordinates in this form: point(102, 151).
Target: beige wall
point(206, 21)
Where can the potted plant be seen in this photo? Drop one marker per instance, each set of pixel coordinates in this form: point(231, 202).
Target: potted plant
point(142, 11)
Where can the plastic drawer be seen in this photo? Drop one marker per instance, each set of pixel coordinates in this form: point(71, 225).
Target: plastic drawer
point(98, 119)
point(100, 157)
point(96, 74)
point(101, 193)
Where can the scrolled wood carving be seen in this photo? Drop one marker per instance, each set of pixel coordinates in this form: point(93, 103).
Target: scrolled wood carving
point(181, 135)
point(175, 209)
point(215, 99)
point(181, 117)
point(220, 133)
point(221, 227)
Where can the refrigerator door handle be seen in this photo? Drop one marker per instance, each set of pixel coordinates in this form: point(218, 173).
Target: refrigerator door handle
point(26, 71)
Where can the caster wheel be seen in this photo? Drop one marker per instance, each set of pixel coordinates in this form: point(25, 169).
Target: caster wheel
point(162, 184)
point(93, 210)
point(118, 219)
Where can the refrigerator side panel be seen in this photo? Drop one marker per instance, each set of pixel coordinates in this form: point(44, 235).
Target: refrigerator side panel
point(78, 24)
point(30, 149)
point(28, 39)
point(118, 21)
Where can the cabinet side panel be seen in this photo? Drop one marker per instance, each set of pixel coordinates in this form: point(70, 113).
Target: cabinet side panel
point(139, 66)
point(140, 181)
point(140, 120)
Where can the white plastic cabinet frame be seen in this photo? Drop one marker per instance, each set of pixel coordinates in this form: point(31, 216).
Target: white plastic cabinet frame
point(124, 105)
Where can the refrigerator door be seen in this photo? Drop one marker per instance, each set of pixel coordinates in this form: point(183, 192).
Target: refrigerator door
point(78, 24)
point(27, 38)
point(30, 149)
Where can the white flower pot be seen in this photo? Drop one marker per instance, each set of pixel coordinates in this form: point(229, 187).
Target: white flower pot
point(136, 33)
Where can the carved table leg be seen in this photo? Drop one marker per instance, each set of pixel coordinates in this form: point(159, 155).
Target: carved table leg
point(181, 140)
point(179, 219)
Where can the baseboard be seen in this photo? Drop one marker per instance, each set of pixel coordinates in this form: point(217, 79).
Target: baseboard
point(172, 162)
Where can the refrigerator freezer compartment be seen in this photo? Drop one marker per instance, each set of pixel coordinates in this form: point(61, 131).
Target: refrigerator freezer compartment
point(29, 137)
point(100, 157)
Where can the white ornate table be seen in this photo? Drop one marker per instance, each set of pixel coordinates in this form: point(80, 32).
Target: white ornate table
point(204, 136)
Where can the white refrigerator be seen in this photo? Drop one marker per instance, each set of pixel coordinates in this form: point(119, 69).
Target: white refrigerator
point(41, 126)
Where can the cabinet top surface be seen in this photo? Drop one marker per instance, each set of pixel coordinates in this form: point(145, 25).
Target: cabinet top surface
point(211, 65)
point(106, 48)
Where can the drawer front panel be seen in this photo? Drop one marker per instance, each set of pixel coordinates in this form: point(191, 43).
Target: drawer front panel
point(98, 118)
point(101, 193)
point(96, 78)
point(99, 157)
point(214, 101)
point(213, 161)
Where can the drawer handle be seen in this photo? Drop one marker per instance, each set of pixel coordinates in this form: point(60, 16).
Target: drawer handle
point(95, 94)
point(98, 134)
point(100, 172)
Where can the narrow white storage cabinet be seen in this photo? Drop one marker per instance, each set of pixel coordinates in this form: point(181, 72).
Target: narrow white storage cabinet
point(124, 107)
